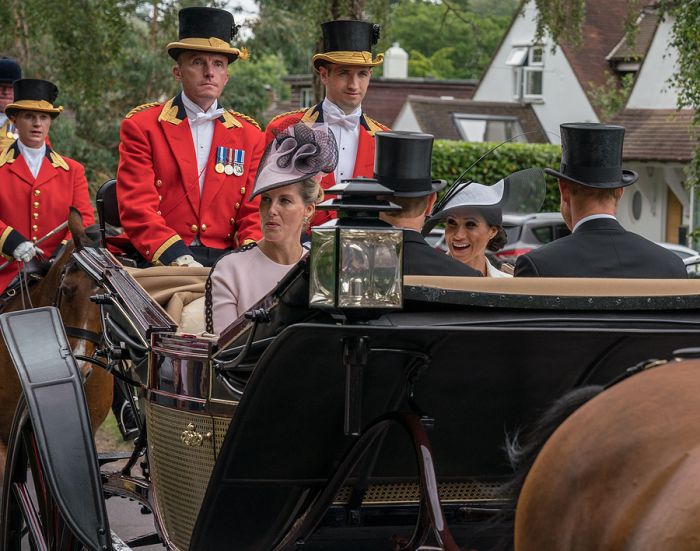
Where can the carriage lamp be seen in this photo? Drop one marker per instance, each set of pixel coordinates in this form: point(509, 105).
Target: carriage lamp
point(357, 259)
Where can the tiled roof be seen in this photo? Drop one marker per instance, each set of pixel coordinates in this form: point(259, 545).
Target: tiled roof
point(435, 115)
point(646, 28)
point(657, 134)
point(602, 31)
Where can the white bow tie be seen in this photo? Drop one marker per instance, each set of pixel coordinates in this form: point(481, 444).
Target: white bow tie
point(349, 122)
point(201, 118)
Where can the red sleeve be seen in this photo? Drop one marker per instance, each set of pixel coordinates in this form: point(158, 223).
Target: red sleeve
point(138, 199)
point(248, 217)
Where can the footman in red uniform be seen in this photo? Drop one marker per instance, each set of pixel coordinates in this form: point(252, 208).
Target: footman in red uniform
point(38, 184)
point(187, 166)
point(345, 68)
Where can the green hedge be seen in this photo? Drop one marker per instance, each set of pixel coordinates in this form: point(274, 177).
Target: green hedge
point(450, 158)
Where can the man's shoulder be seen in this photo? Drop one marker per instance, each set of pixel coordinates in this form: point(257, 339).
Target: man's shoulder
point(234, 118)
point(283, 120)
point(144, 109)
point(374, 125)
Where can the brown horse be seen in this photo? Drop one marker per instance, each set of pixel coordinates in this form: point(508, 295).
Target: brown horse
point(621, 472)
point(68, 287)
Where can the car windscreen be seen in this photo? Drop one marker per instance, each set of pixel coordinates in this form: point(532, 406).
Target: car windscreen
point(513, 233)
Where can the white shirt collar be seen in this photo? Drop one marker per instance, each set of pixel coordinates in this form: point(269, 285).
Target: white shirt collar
point(33, 157)
point(591, 217)
point(330, 107)
point(191, 108)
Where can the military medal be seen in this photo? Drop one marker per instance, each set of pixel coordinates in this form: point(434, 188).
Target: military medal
point(219, 166)
point(238, 162)
point(228, 169)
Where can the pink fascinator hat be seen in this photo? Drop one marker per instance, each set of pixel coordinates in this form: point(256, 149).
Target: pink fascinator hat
point(297, 153)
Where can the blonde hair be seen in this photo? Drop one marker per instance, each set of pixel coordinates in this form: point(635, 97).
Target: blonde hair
point(311, 191)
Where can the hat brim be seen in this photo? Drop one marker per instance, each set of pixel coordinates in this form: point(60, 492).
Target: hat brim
point(279, 185)
point(436, 185)
point(363, 59)
point(629, 177)
point(33, 105)
point(203, 45)
point(457, 210)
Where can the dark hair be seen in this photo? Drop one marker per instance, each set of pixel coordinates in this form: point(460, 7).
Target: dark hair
point(410, 206)
point(498, 241)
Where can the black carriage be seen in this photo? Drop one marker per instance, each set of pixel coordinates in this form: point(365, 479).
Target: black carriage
point(332, 427)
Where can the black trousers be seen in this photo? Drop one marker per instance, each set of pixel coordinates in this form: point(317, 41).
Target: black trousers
point(207, 256)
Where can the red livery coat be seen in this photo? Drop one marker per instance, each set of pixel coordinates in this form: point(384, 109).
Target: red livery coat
point(32, 207)
point(364, 161)
point(160, 205)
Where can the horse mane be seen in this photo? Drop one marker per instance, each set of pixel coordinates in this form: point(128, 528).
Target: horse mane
point(522, 453)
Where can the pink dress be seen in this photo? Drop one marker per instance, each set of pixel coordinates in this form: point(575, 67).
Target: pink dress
point(239, 280)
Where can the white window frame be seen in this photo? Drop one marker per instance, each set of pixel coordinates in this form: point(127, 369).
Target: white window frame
point(530, 57)
point(518, 56)
point(517, 83)
point(509, 119)
point(527, 94)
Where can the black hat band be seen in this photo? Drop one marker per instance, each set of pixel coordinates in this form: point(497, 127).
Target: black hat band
point(407, 185)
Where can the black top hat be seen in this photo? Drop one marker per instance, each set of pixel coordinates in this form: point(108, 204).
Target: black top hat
point(591, 155)
point(32, 94)
point(348, 42)
point(206, 30)
point(402, 163)
point(9, 71)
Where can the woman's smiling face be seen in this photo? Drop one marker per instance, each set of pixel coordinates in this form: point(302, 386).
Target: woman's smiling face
point(467, 237)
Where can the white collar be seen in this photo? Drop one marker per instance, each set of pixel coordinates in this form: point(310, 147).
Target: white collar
point(30, 152)
point(192, 108)
point(330, 107)
point(591, 217)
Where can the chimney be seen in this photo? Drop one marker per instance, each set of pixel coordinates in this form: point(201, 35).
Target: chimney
point(395, 62)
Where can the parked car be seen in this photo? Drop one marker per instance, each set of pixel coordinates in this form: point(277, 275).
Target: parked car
point(692, 265)
point(681, 250)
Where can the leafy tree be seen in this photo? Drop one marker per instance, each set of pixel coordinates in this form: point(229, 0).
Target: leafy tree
point(438, 65)
point(428, 27)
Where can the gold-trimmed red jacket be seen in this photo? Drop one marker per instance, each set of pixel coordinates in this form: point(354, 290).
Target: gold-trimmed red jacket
point(32, 207)
point(158, 191)
point(364, 161)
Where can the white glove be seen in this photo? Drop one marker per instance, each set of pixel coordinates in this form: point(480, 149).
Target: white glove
point(186, 260)
point(25, 251)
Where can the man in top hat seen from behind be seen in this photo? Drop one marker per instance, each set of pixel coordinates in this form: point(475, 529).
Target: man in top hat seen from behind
point(38, 184)
point(10, 71)
point(345, 68)
point(403, 165)
point(591, 183)
point(187, 166)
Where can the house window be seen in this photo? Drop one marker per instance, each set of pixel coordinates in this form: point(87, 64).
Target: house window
point(306, 97)
point(487, 128)
point(528, 66)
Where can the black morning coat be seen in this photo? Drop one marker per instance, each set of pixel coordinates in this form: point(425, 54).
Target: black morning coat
point(419, 258)
point(601, 248)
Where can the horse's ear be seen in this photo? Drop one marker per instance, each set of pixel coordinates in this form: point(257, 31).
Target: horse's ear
point(75, 225)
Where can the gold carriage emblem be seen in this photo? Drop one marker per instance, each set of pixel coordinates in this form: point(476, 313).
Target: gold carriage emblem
point(190, 437)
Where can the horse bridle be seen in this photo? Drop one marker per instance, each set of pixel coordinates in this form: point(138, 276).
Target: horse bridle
point(71, 331)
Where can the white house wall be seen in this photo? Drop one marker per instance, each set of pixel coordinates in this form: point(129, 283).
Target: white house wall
point(652, 184)
point(652, 89)
point(563, 97)
point(406, 120)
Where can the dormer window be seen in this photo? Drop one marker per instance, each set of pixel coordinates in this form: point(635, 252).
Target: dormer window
point(528, 66)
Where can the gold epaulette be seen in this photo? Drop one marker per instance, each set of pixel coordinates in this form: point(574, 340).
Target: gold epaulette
point(273, 119)
point(141, 108)
point(251, 120)
point(375, 126)
point(7, 155)
point(58, 161)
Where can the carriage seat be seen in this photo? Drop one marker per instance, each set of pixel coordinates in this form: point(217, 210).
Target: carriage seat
point(179, 290)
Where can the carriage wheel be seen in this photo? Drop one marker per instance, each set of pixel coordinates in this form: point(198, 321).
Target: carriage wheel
point(30, 517)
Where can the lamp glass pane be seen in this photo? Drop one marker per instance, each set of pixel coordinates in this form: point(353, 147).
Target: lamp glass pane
point(371, 271)
point(323, 262)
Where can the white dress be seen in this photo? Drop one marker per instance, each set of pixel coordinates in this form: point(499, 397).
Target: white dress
point(491, 271)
